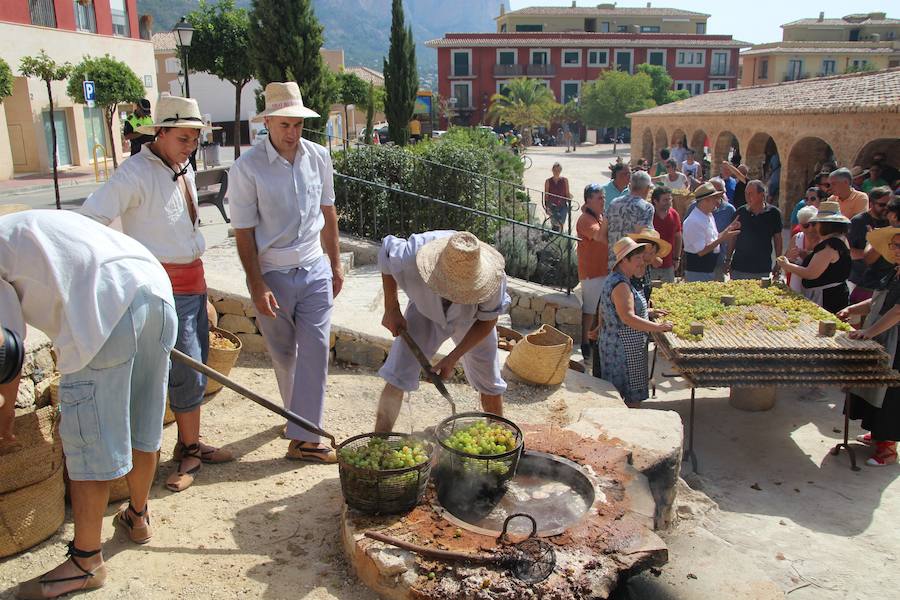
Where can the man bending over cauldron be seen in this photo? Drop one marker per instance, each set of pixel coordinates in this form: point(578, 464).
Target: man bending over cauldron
point(457, 289)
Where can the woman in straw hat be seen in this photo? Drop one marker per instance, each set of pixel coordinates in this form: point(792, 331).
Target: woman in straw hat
point(624, 314)
point(879, 408)
point(107, 305)
point(281, 194)
point(825, 270)
point(657, 250)
point(154, 194)
point(457, 289)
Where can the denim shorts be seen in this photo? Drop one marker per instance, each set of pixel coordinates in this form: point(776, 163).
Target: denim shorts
point(116, 403)
point(187, 386)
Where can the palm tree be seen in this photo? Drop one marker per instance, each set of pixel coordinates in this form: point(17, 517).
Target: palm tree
point(525, 103)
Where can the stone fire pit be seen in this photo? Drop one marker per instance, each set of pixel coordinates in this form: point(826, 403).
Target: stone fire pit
point(614, 539)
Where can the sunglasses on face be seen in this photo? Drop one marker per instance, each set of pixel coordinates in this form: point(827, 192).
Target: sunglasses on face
point(806, 225)
point(880, 204)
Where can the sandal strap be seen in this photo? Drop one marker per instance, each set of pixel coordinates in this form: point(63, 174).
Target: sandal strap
point(192, 451)
point(74, 553)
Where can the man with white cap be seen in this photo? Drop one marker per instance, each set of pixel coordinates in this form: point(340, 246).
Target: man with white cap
point(281, 195)
point(154, 194)
point(107, 305)
point(457, 289)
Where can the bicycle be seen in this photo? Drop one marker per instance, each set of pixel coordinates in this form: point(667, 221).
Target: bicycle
point(526, 160)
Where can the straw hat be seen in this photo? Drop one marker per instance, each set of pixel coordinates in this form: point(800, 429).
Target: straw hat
point(624, 247)
point(461, 268)
point(706, 190)
point(829, 212)
point(652, 236)
point(881, 240)
point(8, 209)
point(858, 171)
point(175, 111)
point(284, 100)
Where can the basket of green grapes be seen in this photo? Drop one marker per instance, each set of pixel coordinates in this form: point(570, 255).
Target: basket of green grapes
point(384, 473)
point(478, 450)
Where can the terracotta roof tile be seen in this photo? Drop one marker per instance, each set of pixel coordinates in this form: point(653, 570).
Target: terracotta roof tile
point(857, 92)
point(820, 48)
point(163, 41)
point(368, 75)
point(841, 22)
point(585, 40)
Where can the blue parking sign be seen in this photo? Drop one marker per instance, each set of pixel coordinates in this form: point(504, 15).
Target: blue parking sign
point(90, 93)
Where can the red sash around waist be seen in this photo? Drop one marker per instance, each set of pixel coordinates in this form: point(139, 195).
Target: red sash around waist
point(187, 279)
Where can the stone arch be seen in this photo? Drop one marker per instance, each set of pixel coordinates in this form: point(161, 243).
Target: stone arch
point(805, 159)
point(725, 147)
point(698, 142)
point(661, 141)
point(647, 151)
point(678, 135)
point(759, 160)
point(890, 147)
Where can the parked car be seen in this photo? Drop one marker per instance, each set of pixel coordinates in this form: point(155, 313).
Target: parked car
point(381, 129)
point(438, 133)
point(260, 137)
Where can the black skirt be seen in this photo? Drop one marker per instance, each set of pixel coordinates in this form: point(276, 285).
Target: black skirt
point(884, 422)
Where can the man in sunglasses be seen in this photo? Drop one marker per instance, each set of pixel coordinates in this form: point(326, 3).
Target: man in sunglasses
point(864, 278)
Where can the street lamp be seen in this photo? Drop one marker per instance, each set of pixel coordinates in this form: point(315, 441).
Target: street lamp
point(184, 33)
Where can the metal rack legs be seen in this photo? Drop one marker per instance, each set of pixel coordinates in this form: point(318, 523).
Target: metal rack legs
point(845, 444)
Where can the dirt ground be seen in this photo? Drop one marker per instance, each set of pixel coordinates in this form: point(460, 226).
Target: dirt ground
point(265, 527)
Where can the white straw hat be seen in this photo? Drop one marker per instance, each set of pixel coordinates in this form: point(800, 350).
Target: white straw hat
point(175, 111)
point(284, 100)
point(652, 236)
point(624, 247)
point(829, 212)
point(461, 268)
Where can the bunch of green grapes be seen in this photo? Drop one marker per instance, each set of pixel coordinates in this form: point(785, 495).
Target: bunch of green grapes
point(380, 454)
point(482, 439)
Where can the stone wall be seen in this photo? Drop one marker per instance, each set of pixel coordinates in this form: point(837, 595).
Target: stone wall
point(37, 371)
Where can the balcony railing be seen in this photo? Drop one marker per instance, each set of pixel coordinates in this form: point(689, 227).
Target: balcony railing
point(541, 70)
point(467, 73)
point(796, 76)
point(509, 70)
point(716, 71)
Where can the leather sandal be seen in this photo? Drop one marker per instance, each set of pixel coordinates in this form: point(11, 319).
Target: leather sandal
point(181, 480)
point(34, 589)
point(311, 454)
point(208, 454)
point(137, 533)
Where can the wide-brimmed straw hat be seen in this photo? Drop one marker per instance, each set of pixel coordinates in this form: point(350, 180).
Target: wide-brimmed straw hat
point(858, 171)
point(8, 209)
point(624, 247)
point(284, 100)
point(461, 268)
point(652, 236)
point(706, 190)
point(829, 212)
point(881, 240)
point(175, 111)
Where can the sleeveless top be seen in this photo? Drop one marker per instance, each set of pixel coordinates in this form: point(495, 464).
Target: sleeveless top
point(836, 272)
point(556, 194)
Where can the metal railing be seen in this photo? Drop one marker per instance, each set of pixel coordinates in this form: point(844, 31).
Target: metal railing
point(500, 212)
point(508, 70)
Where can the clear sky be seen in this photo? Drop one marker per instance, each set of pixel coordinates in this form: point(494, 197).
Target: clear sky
point(756, 21)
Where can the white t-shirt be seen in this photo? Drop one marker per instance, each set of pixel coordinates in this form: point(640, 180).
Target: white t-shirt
point(73, 279)
point(680, 183)
point(690, 168)
point(698, 231)
point(282, 202)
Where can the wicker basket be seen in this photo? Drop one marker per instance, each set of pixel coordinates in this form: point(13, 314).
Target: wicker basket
point(221, 360)
point(542, 357)
point(681, 201)
point(384, 492)
point(37, 453)
point(31, 514)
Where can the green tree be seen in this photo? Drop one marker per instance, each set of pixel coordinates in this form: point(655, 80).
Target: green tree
point(401, 79)
point(285, 39)
point(48, 70)
point(6, 80)
point(607, 101)
point(221, 36)
point(352, 90)
point(661, 85)
point(115, 84)
point(865, 67)
point(525, 103)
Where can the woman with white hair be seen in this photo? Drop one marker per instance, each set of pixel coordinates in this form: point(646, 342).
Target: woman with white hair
point(802, 243)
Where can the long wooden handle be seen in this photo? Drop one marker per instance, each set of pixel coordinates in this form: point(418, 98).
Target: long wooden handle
point(431, 552)
point(426, 366)
point(265, 403)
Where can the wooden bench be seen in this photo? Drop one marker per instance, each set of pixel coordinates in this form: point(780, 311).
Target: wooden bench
point(208, 178)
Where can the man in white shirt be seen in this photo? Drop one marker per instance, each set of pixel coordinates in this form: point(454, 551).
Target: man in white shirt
point(700, 236)
point(154, 194)
point(281, 195)
point(457, 289)
point(107, 305)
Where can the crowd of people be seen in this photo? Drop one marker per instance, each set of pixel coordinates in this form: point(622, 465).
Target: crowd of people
point(841, 254)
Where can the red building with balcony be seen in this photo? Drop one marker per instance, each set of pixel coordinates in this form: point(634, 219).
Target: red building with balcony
point(472, 67)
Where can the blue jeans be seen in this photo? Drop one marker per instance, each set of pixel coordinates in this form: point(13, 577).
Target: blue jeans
point(698, 276)
point(298, 340)
point(116, 403)
point(186, 386)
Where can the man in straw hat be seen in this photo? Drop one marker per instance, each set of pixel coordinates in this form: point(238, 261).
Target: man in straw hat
point(702, 239)
point(106, 303)
point(457, 289)
point(281, 194)
point(154, 194)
